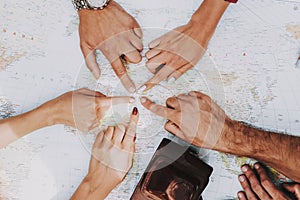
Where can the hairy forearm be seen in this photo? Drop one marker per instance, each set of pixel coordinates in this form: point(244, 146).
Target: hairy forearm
point(208, 15)
point(16, 127)
point(279, 151)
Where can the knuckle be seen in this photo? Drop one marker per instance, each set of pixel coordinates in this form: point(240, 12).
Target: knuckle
point(256, 188)
point(279, 196)
point(154, 108)
point(251, 177)
point(170, 100)
point(89, 45)
point(194, 92)
point(266, 183)
point(120, 71)
point(177, 118)
point(252, 198)
point(106, 48)
point(206, 98)
point(245, 186)
point(166, 126)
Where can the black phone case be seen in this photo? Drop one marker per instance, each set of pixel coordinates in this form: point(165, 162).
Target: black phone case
point(174, 171)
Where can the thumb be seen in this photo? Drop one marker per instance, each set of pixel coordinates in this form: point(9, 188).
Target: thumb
point(293, 188)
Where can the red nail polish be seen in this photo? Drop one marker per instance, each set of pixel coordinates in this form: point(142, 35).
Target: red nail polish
point(134, 138)
point(135, 111)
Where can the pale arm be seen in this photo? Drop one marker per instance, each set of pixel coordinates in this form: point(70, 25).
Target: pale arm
point(94, 187)
point(111, 159)
point(207, 17)
point(16, 127)
point(82, 109)
point(180, 49)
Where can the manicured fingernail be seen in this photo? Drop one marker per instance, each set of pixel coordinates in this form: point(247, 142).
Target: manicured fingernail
point(135, 111)
point(131, 89)
point(244, 168)
point(241, 178)
point(131, 100)
point(134, 138)
point(143, 100)
point(256, 166)
point(171, 80)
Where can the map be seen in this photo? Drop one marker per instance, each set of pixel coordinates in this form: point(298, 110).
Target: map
point(248, 69)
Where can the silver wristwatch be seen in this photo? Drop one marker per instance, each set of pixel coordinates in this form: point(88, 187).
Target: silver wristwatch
point(90, 4)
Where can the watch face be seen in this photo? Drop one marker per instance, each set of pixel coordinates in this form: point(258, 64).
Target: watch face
point(97, 3)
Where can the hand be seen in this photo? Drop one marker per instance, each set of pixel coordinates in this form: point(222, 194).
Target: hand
point(174, 53)
point(194, 118)
point(114, 32)
point(83, 109)
point(179, 50)
point(111, 160)
point(261, 187)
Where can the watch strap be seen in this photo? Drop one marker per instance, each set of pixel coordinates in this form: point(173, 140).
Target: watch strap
point(232, 1)
point(84, 4)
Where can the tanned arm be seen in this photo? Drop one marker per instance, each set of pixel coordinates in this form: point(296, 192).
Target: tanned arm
point(281, 151)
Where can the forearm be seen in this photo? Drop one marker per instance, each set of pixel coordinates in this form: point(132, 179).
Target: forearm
point(208, 15)
point(16, 127)
point(91, 189)
point(279, 151)
point(84, 192)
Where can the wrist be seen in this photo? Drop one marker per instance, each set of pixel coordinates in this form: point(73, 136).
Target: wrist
point(45, 114)
point(232, 138)
point(52, 110)
point(208, 15)
point(110, 5)
point(98, 184)
point(202, 33)
point(90, 4)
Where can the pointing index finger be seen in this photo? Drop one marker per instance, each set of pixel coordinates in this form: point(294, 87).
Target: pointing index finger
point(158, 77)
point(160, 110)
point(121, 72)
point(110, 101)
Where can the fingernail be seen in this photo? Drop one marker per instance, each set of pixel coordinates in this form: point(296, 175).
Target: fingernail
point(171, 80)
point(141, 89)
point(131, 100)
point(241, 178)
point(240, 195)
point(131, 89)
point(244, 168)
point(134, 138)
point(256, 166)
point(135, 111)
point(143, 100)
